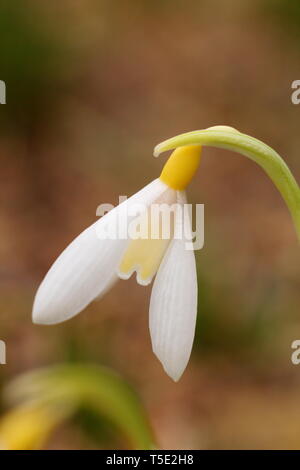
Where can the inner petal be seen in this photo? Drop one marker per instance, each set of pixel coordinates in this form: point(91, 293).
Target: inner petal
point(155, 229)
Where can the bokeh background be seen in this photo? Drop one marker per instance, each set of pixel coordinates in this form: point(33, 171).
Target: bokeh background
point(92, 86)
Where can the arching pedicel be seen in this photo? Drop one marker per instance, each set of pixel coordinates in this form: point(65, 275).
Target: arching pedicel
point(231, 139)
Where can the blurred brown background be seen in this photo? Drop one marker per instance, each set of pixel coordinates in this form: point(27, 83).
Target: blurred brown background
point(92, 86)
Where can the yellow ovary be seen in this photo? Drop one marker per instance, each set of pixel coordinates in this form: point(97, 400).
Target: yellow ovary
point(181, 166)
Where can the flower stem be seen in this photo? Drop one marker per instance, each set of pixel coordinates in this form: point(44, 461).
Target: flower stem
point(231, 139)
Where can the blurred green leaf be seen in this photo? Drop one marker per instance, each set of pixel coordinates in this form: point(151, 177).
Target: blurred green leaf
point(96, 388)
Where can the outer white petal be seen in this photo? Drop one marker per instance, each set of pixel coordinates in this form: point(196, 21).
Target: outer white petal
point(173, 306)
point(86, 268)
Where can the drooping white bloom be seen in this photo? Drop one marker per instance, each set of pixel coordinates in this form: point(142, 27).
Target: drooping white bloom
point(90, 265)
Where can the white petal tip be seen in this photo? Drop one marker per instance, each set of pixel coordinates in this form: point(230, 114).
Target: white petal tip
point(47, 313)
point(174, 373)
point(174, 377)
point(39, 320)
point(44, 318)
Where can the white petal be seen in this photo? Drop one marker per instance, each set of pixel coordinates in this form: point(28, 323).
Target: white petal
point(173, 306)
point(86, 268)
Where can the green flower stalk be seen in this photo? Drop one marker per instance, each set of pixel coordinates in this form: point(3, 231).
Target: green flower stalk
point(231, 139)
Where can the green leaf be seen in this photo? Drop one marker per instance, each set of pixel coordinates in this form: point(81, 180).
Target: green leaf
point(99, 389)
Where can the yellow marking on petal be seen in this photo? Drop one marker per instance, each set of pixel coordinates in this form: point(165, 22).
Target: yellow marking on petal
point(144, 256)
point(181, 166)
point(145, 252)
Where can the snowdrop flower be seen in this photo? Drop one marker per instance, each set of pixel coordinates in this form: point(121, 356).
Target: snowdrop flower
point(93, 261)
